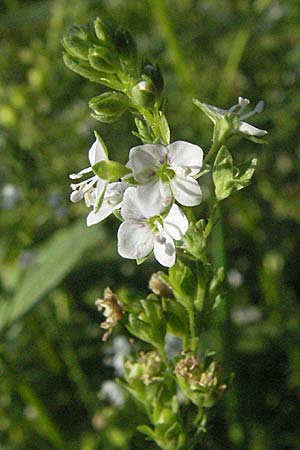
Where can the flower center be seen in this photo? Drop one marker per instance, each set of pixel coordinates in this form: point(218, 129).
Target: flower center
point(165, 172)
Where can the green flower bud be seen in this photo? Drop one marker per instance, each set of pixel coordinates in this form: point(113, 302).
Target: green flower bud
point(103, 32)
point(81, 68)
point(103, 59)
point(108, 106)
point(126, 48)
point(156, 77)
point(144, 94)
point(77, 43)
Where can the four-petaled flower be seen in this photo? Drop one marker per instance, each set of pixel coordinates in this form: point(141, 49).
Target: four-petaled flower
point(103, 197)
point(243, 128)
point(141, 232)
point(164, 173)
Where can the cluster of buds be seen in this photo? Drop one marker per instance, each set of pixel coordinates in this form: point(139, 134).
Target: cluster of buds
point(199, 381)
point(109, 56)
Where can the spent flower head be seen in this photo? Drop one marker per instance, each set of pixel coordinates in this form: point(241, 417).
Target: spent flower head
point(113, 311)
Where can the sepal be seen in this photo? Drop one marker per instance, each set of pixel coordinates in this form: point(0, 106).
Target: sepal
point(110, 170)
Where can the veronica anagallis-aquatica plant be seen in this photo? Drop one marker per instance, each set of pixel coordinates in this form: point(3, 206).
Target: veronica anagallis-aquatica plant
point(154, 196)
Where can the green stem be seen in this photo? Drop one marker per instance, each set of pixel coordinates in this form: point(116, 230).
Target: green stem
point(238, 429)
point(217, 144)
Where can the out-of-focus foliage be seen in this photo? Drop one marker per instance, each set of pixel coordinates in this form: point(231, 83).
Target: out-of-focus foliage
point(52, 361)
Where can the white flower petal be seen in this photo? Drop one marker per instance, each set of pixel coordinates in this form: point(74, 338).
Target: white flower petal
point(96, 217)
point(96, 153)
point(186, 190)
point(130, 207)
point(184, 154)
point(135, 240)
point(145, 160)
point(75, 176)
point(176, 223)
point(164, 249)
point(250, 130)
point(150, 198)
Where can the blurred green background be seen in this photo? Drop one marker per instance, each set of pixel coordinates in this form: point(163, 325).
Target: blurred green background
point(54, 368)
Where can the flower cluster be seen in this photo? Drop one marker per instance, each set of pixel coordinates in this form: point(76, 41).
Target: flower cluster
point(161, 178)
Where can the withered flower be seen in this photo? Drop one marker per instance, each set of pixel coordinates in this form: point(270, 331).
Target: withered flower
point(113, 311)
point(159, 287)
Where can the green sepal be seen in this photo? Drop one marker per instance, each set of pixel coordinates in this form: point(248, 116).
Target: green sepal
point(117, 214)
point(83, 69)
point(126, 48)
point(147, 431)
point(110, 170)
point(100, 199)
point(140, 261)
point(97, 136)
point(144, 133)
point(77, 41)
point(164, 128)
point(103, 59)
point(205, 110)
point(103, 32)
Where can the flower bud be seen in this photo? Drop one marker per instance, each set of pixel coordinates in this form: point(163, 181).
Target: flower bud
point(103, 59)
point(76, 43)
point(156, 77)
point(144, 94)
point(103, 32)
point(126, 48)
point(80, 68)
point(109, 106)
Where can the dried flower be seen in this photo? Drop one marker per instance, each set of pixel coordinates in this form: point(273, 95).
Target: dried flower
point(113, 311)
point(159, 287)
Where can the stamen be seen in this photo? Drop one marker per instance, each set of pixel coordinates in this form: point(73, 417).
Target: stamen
point(258, 109)
point(76, 176)
point(243, 102)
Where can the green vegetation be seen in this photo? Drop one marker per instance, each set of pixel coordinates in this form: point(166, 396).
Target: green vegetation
point(53, 365)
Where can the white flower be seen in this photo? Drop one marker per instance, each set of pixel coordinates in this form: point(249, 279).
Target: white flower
point(164, 173)
point(140, 233)
point(92, 188)
point(243, 127)
point(103, 197)
point(112, 200)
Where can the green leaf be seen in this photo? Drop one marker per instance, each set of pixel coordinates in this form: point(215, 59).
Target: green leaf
point(244, 176)
point(164, 128)
point(110, 170)
point(223, 173)
point(56, 259)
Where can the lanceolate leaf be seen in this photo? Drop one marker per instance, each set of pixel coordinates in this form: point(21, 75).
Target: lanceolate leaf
point(56, 258)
